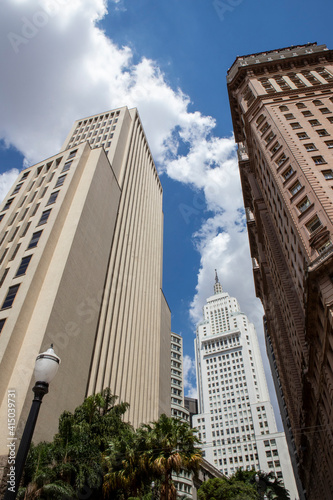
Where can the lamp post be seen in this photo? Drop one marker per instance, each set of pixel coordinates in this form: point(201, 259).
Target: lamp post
point(257, 478)
point(46, 367)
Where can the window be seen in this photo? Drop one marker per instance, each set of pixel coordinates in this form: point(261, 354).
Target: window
point(283, 108)
point(23, 266)
point(322, 132)
point(3, 277)
point(52, 198)
point(295, 125)
point(7, 205)
point(330, 119)
point(25, 175)
point(275, 148)
point(302, 135)
point(289, 116)
point(262, 130)
point(17, 188)
point(11, 294)
point(319, 160)
point(310, 147)
point(295, 188)
point(307, 113)
point(281, 159)
point(328, 174)
point(313, 224)
point(304, 204)
point(329, 144)
point(324, 247)
point(67, 166)
point(269, 137)
point(2, 323)
point(317, 102)
point(60, 181)
point(44, 217)
point(288, 173)
point(34, 239)
point(3, 255)
point(300, 105)
point(314, 123)
point(324, 111)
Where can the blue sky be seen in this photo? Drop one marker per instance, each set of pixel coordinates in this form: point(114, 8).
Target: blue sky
point(65, 60)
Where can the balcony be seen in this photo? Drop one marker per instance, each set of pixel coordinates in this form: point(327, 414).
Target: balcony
point(242, 153)
point(255, 265)
point(249, 215)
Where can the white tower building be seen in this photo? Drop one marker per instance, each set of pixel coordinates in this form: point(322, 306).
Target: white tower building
point(236, 421)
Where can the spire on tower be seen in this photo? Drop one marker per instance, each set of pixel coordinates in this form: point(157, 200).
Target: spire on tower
point(217, 285)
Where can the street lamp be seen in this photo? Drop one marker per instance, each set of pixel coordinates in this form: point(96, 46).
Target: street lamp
point(46, 367)
point(257, 478)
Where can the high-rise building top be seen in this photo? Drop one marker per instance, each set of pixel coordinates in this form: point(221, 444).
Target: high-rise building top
point(236, 421)
point(81, 266)
point(282, 110)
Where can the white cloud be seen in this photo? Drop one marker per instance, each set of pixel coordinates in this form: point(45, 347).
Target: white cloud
point(6, 181)
point(189, 377)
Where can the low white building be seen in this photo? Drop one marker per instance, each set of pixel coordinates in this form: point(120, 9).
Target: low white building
point(236, 421)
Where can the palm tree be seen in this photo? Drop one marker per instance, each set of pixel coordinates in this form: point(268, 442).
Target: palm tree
point(171, 448)
point(152, 452)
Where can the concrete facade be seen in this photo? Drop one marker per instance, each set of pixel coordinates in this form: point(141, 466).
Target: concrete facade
point(236, 421)
point(81, 267)
point(282, 110)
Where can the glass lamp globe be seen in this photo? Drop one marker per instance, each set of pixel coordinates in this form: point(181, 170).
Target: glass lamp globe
point(46, 366)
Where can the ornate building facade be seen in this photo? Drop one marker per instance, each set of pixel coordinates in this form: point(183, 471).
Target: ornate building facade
point(282, 111)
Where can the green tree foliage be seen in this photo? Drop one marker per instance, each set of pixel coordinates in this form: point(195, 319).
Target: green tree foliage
point(244, 485)
point(71, 465)
point(153, 452)
point(225, 489)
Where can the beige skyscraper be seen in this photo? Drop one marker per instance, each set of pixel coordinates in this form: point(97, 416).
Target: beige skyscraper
point(81, 266)
point(282, 110)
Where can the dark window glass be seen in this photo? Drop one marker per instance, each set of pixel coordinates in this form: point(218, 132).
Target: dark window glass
point(52, 198)
point(25, 175)
point(60, 181)
point(3, 255)
point(72, 154)
point(44, 217)
point(34, 239)
point(17, 188)
point(2, 323)
point(11, 294)
point(3, 277)
point(8, 203)
point(23, 266)
point(67, 166)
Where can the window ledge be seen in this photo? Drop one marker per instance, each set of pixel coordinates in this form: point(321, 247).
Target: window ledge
point(305, 212)
point(294, 196)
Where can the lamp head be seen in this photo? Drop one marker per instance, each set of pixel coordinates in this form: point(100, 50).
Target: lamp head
point(46, 366)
